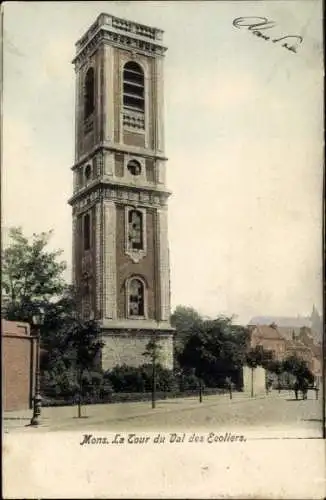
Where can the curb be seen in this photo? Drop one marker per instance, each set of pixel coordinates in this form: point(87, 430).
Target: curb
point(150, 412)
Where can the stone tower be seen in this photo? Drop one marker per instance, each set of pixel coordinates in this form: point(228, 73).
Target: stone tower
point(119, 202)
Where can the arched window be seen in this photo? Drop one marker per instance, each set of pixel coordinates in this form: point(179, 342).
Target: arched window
point(135, 230)
point(88, 173)
point(133, 87)
point(87, 232)
point(89, 97)
point(86, 283)
point(136, 297)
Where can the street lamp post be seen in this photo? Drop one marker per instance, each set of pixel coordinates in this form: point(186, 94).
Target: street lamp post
point(155, 356)
point(153, 381)
point(37, 400)
point(229, 386)
point(252, 381)
point(200, 390)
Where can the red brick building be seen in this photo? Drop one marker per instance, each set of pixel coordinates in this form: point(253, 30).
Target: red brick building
point(285, 342)
point(269, 337)
point(18, 365)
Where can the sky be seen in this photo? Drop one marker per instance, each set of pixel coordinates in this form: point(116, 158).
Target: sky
point(244, 138)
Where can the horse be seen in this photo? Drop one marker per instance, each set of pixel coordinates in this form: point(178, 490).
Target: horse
point(302, 386)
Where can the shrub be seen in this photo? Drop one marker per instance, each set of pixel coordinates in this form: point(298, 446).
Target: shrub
point(125, 379)
point(59, 383)
point(131, 379)
point(187, 381)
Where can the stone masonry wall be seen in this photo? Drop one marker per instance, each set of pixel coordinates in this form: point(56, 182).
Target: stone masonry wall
point(128, 347)
point(258, 379)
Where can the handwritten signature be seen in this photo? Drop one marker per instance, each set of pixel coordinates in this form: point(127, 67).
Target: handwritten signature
point(257, 24)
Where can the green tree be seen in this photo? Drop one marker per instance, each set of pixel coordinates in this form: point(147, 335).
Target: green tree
point(58, 363)
point(84, 344)
point(184, 320)
point(73, 349)
point(277, 367)
point(215, 349)
point(32, 275)
point(153, 353)
point(153, 350)
point(298, 368)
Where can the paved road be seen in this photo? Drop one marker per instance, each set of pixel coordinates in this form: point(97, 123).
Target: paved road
point(273, 413)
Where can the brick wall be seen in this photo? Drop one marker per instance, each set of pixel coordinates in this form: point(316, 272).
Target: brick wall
point(145, 268)
point(18, 365)
point(134, 139)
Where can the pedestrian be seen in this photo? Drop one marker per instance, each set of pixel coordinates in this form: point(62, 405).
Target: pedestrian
point(304, 388)
point(269, 384)
point(228, 383)
point(296, 389)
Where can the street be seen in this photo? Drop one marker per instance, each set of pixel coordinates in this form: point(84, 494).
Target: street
point(273, 414)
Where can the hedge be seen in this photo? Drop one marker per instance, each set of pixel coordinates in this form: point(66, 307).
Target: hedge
point(122, 383)
point(127, 397)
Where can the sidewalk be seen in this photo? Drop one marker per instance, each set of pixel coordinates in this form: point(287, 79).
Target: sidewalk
point(56, 418)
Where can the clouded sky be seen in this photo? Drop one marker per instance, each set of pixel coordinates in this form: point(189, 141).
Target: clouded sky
point(244, 136)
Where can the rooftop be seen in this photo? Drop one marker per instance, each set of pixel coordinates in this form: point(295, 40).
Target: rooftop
point(119, 25)
point(268, 332)
point(14, 328)
point(284, 321)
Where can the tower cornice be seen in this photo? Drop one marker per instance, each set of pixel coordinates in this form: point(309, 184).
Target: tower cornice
point(120, 33)
point(119, 191)
point(117, 148)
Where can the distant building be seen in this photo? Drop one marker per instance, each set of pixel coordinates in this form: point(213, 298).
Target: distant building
point(269, 337)
point(297, 348)
point(284, 342)
point(288, 324)
point(18, 365)
point(284, 321)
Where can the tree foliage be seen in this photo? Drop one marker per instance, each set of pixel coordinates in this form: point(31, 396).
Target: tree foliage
point(73, 357)
point(153, 350)
point(258, 356)
point(215, 349)
point(84, 342)
point(298, 367)
point(184, 320)
point(32, 278)
point(275, 366)
point(32, 275)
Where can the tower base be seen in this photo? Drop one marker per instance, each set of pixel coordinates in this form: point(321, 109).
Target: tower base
point(127, 347)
